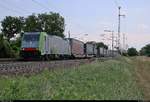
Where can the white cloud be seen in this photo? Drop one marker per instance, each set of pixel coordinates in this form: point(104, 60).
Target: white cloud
point(143, 27)
point(138, 40)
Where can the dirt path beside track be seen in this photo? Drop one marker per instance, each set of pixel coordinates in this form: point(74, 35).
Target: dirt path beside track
point(142, 69)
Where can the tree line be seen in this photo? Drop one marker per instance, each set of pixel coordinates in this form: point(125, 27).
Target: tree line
point(52, 23)
point(145, 51)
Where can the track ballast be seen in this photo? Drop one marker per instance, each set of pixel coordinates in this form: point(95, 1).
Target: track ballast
point(15, 67)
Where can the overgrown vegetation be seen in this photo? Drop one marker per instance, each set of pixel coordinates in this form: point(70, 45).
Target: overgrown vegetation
point(5, 49)
point(109, 80)
point(15, 45)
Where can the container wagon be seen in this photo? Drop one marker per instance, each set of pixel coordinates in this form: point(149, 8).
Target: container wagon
point(105, 52)
point(115, 53)
point(89, 49)
point(109, 53)
point(95, 50)
point(101, 52)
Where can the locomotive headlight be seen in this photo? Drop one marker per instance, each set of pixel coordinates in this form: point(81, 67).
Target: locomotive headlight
point(37, 49)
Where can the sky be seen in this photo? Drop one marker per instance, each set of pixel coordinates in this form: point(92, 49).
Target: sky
point(91, 17)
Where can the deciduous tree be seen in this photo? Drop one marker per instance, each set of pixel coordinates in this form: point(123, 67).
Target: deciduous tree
point(31, 24)
point(132, 52)
point(52, 23)
point(145, 50)
point(11, 26)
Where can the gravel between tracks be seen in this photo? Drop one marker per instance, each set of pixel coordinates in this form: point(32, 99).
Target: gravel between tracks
point(28, 68)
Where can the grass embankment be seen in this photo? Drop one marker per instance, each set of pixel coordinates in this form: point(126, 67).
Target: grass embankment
point(113, 79)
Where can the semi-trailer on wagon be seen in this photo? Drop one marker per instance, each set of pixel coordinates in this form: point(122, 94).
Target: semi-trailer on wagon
point(77, 48)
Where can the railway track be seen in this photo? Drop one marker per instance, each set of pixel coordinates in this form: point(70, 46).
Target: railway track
point(8, 60)
point(14, 67)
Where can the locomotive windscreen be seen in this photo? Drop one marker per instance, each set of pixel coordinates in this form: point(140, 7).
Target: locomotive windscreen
point(30, 40)
point(31, 37)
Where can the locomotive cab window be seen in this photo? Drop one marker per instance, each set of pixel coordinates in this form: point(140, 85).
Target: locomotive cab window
point(32, 37)
point(31, 40)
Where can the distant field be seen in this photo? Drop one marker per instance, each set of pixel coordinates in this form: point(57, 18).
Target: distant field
point(110, 80)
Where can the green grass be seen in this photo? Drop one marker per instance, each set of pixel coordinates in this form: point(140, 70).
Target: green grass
point(110, 80)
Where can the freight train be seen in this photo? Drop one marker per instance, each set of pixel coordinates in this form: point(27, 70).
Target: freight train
point(43, 46)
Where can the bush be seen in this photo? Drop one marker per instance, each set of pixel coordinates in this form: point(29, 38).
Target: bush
point(132, 52)
point(5, 49)
point(15, 45)
point(145, 50)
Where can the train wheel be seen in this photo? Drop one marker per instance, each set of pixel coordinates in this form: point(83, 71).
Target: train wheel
point(47, 57)
point(43, 58)
point(52, 57)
